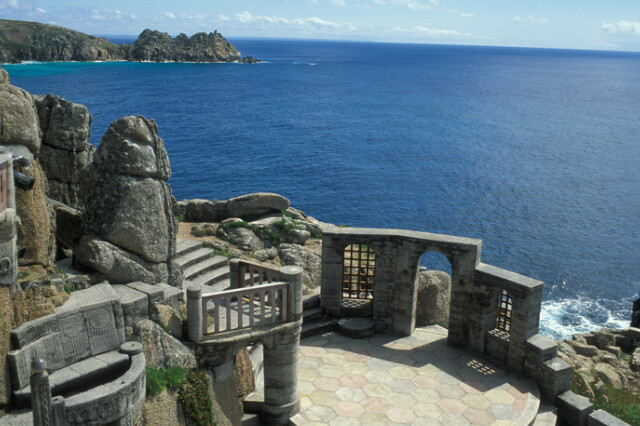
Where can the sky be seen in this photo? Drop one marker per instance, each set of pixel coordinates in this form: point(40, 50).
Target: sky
point(571, 24)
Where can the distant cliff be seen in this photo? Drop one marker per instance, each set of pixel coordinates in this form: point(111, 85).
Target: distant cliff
point(32, 41)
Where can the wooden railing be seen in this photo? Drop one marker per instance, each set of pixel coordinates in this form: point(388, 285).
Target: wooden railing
point(245, 307)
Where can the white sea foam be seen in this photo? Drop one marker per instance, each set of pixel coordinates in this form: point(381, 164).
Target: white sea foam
point(562, 318)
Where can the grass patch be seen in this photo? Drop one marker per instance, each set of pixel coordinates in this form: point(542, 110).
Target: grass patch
point(625, 356)
point(207, 232)
point(619, 403)
point(158, 379)
point(318, 236)
point(195, 398)
point(179, 218)
point(238, 224)
point(218, 252)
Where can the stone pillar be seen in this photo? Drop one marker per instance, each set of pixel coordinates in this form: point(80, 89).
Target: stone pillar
point(40, 394)
point(234, 270)
point(8, 229)
point(58, 411)
point(281, 398)
point(293, 276)
point(331, 278)
point(194, 313)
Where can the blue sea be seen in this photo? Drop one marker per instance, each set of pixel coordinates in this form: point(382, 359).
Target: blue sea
point(534, 151)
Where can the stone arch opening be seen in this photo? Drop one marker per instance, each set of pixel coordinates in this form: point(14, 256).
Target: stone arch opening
point(433, 289)
point(505, 309)
point(358, 272)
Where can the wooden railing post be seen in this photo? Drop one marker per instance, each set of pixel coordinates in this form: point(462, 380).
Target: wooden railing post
point(235, 273)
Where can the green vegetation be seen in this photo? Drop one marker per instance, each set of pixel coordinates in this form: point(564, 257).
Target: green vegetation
point(625, 357)
point(67, 288)
point(158, 380)
point(217, 252)
point(237, 224)
point(205, 232)
point(317, 236)
point(619, 403)
point(179, 218)
point(196, 399)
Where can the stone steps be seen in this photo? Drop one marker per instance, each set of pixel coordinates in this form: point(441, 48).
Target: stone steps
point(200, 267)
point(185, 246)
point(193, 257)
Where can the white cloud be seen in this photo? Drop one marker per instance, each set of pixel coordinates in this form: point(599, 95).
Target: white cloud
point(438, 32)
point(8, 4)
point(169, 15)
point(105, 15)
point(223, 18)
point(40, 10)
point(530, 18)
point(338, 2)
point(467, 15)
point(622, 27)
point(411, 4)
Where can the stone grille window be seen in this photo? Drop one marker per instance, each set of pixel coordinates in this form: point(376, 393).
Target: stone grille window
point(505, 305)
point(358, 272)
point(3, 186)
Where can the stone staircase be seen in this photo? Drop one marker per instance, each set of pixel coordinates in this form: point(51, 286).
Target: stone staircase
point(201, 267)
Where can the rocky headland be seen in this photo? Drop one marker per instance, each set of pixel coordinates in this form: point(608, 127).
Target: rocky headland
point(32, 41)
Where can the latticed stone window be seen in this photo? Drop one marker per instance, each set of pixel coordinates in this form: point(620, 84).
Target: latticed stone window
point(358, 272)
point(505, 306)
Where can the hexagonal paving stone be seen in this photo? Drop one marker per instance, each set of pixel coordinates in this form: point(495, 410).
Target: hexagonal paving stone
point(334, 359)
point(476, 401)
point(400, 415)
point(475, 388)
point(320, 413)
point(453, 419)
point(344, 421)
point(425, 382)
point(479, 417)
point(307, 375)
point(355, 357)
point(353, 380)
point(499, 396)
point(377, 376)
point(330, 371)
point(373, 419)
point(351, 394)
point(505, 412)
point(427, 410)
point(403, 359)
point(348, 409)
point(376, 389)
point(426, 422)
point(312, 351)
point(401, 386)
point(426, 395)
point(451, 391)
point(324, 398)
point(305, 388)
point(327, 384)
point(447, 379)
point(375, 405)
point(400, 372)
point(428, 370)
point(379, 364)
point(310, 362)
point(452, 406)
point(356, 367)
point(401, 400)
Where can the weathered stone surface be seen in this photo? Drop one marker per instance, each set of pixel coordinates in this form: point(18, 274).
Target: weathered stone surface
point(63, 166)
point(296, 236)
point(4, 76)
point(131, 146)
point(584, 349)
point(266, 254)
point(608, 375)
point(163, 409)
point(170, 318)
point(35, 232)
point(243, 373)
point(18, 117)
point(311, 262)
point(64, 125)
point(240, 236)
point(434, 296)
point(6, 324)
point(255, 205)
point(162, 350)
point(66, 193)
point(198, 210)
point(117, 265)
point(68, 224)
point(132, 213)
point(226, 406)
point(635, 360)
point(635, 314)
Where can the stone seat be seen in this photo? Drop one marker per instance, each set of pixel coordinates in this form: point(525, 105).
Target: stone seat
point(94, 375)
point(80, 376)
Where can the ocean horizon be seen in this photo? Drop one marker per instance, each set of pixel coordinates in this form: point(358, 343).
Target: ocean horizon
point(532, 150)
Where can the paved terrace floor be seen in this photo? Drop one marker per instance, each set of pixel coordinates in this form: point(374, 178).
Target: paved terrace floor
point(416, 380)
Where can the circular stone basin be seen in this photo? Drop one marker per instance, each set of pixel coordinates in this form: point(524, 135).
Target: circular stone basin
point(356, 328)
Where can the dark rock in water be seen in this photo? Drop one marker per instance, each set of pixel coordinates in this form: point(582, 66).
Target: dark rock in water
point(635, 316)
point(250, 60)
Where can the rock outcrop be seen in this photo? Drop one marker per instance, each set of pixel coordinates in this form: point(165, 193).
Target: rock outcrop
point(129, 227)
point(65, 151)
point(32, 41)
point(434, 297)
point(19, 127)
point(246, 207)
point(635, 315)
